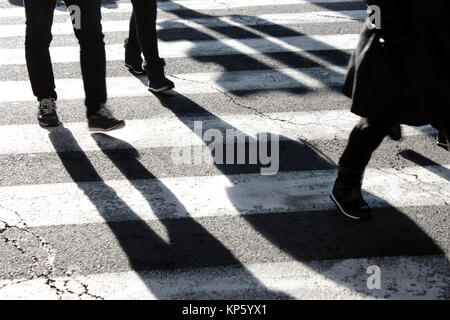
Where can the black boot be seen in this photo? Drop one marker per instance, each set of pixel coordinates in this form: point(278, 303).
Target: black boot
point(133, 58)
point(347, 194)
point(157, 81)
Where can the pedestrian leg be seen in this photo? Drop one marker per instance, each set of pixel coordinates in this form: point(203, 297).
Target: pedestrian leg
point(364, 140)
point(38, 36)
point(145, 12)
point(92, 52)
point(443, 137)
point(93, 64)
point(133, 58)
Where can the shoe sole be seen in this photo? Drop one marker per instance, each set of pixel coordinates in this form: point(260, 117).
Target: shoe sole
point(116, 127)
point(343, 211)
point(133, 70)
point(161, 89)
point(443, 145)
point(48, 124)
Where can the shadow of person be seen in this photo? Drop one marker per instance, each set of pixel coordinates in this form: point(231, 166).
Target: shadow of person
point(189, 245)
point(425, 162)
point(257, 33)
point(112, 4)
point(16, 2)
point(306, 69)
point(321, 235)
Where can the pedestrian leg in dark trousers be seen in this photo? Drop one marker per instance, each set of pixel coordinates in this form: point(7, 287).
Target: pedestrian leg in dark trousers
point(88, 30)
point(364, 139)
point(143, 32)
point(38, 36)
point(133, 52)
point(443, 137)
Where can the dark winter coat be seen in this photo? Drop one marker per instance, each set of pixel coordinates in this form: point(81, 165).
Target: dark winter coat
point(406, 81)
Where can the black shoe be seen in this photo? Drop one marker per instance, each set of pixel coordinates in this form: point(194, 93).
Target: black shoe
point(47, 116)
point(133, 59)
point(157, 81)
point(350, 202)
point(103, 120)
point(347, 194)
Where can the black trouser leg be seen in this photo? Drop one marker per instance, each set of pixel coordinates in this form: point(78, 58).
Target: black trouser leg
point(143, 28)
point(92, 52)
point(133, 42)
point(39, 19)
point(364, 139)
point(133, 53)
point(443, 138)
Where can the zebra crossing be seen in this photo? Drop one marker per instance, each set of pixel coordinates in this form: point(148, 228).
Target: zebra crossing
point(96, 216)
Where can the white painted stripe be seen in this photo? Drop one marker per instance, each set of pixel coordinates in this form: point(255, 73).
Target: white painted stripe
point(401, 278)
point(18, 30)
point(205, 48)
point(171, 132)
point(190, 83)
point(166, 198)
point(177, 5)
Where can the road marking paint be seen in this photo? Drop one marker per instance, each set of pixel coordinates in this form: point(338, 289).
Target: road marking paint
point(208, 196)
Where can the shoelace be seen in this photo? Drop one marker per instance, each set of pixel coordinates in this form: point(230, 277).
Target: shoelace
point(47, 106)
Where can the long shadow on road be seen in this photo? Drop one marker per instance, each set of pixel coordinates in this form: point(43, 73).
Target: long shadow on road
point(190, 245)
point(323, 234)
point(425, 162)
point(292, 60)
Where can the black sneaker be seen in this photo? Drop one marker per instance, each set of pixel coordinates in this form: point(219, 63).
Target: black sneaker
point(157, 81)
point(133, 59)
point(46, 115)
point(350, 201)
point(103, 120)
point(160, 85)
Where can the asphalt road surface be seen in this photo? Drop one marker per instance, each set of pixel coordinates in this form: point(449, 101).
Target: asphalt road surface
point(144, 212)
